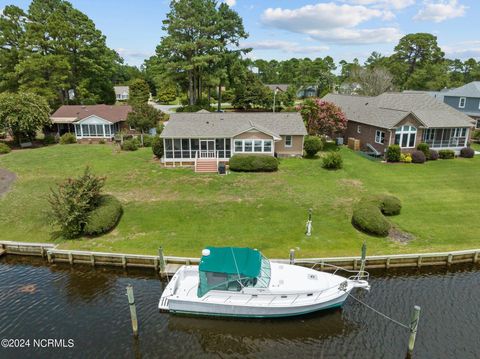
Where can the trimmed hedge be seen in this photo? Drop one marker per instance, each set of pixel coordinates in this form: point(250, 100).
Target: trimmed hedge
point(4, 148)
point(68, 138)
point(105, 217)
point(157, 146)
point(253, 163)
point(433, 155)
point(467, 152)
point(446, 154)
point(312, 144)
point(368, 215)
point(332, 161)
point(418, 157)
point(393, 153)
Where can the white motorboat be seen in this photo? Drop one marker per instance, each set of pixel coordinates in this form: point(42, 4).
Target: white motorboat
point(241, 282)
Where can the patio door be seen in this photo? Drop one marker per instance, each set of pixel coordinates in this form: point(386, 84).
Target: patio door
point(207, 149)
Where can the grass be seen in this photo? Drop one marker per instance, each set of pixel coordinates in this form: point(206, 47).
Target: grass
point(184, 211)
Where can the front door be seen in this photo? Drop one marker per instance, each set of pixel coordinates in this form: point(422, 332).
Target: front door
point(207, 148)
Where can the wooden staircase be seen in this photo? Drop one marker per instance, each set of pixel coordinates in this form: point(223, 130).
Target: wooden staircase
point(206, 165)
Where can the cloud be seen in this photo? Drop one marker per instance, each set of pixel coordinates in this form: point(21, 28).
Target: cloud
point(383, 4)
point(332, 23)
point(440, 11)
point(231, 2)
point(463, 50)
point(133, 53)
point(284, 46)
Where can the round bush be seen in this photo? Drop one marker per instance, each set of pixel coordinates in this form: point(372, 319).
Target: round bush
point(49, 140)
point(467, 152)
point(105, 217)
point(418, 157)
point(157, 146)
point(425, 148)
point(130, 145)
point(332, 161)
point(253, 163)
point(4, 148)
point(446, 154)
point(393, 153)
point(368, 218)
point(433, 155)
point(68, 138)
point(312, 144)
point(389, 205)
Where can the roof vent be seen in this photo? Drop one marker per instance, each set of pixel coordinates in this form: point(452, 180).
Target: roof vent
point(207, 122)
point(366, 103)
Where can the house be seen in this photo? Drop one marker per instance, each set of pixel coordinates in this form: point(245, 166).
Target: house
point(121, 92)
point(278, 87)
point(406, 119)
point(465, 99)
point(218, 136)
point(91, 122)
point(307, 91)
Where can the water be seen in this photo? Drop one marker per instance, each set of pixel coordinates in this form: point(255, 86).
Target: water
point(89, 306)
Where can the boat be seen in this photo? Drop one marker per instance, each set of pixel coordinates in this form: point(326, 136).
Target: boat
point(241, 282)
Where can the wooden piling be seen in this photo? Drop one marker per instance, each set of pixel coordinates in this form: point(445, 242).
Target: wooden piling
point(133, 310)
point(292, 256)
point(161, 260)
point(124, 262)
point(70, 258)
point(413, 329)
point(364, 258)
point(475, 257)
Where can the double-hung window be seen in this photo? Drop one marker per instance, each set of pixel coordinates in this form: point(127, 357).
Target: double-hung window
point(461, 102)
point(379, 137)
point(288, 141)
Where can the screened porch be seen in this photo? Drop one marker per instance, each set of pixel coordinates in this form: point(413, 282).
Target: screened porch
point(445, 137)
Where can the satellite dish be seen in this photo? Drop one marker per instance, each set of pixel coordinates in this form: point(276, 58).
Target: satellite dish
point(205, 252)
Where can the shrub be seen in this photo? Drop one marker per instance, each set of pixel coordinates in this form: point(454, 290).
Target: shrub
point(49, 140)
point(406, 157)
point(101, 142)
point(68, 138)
point(368, 218)
point(147, 140)
point(4, 148)
point(418, 157)
point(312, 144)
point(72, 202)
point(393, 153)
point(104, 217)
point(253, 163)
point(425, 148)
point(130, 145)
point(476, 135)
point(433, 155)
point(467, 152)
point(446, 154)
point(389, 205)
point(157, 146)
point(332, 161)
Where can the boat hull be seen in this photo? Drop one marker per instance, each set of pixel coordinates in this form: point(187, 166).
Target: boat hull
point(220, 310)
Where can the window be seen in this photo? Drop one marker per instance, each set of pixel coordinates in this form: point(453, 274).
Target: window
point(85, 130)
point(428, 134)
point(461, 102)
point(267, 146)
point(379, 137)
point(459, 132)
point(257, 145)
point(405, 136)
point(168, 148)
point(177, 152)
point(77, 131)
point(288, 141)
point(359, 129)
point(248, 145)
point(131, 128)
point(478, 123)
point(107, 130)
point(185, 148)
point(238, 146)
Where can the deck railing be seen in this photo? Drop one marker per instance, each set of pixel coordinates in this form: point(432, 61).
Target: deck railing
point(207, 154)
point(452, 142)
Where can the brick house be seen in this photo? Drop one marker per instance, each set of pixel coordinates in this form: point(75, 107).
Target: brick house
point(93, 122)
point(406, 119)
point(215, 137)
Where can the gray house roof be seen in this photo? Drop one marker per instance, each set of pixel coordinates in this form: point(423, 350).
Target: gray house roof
point(230, 124)
point(471, 89)
point(388, 109)
point(281, 87)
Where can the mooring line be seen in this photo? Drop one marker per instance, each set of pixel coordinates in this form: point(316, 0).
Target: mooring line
point(380, 313)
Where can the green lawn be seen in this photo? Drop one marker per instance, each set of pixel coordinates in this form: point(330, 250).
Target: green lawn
point(184, 211)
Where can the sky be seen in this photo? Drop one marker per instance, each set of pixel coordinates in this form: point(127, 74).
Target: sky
point(282, 29)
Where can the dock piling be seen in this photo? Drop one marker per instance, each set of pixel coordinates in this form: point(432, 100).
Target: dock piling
point(161, 260)
point(413, 329)
point(133, 310)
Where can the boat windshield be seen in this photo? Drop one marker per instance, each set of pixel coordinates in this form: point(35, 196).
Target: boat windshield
point(234, 280)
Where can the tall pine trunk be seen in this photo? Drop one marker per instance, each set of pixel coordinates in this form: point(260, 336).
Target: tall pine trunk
point(191, 93)
point(219, 106)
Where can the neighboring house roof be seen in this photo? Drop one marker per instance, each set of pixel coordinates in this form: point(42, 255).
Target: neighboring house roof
point(435, 94)
point(120, 90)
point(75, 113)
point(281, 87)
point(230, 124)
point(471, 89)
point(388, 109)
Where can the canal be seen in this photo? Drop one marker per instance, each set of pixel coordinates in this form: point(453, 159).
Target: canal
point(89, 307)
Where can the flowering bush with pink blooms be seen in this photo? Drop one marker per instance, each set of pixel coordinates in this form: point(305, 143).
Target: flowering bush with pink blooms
point(322, 117)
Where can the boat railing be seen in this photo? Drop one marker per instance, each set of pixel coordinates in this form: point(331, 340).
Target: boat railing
point(355, 274)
